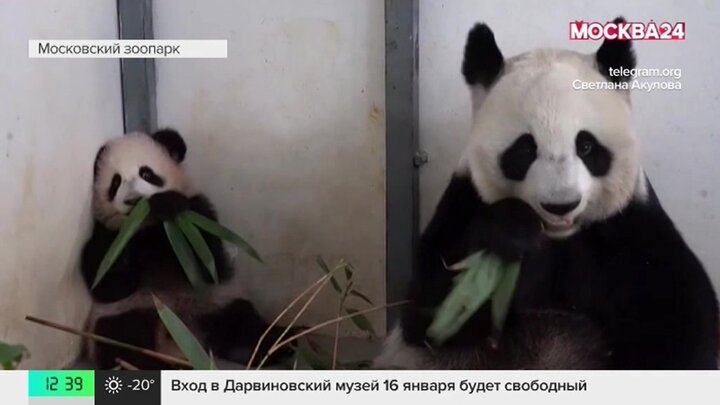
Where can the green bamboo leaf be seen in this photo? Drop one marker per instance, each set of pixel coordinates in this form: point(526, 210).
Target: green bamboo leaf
point(321, 262)
point(185, 340)
point(11, 355)
point(185, 255)
point(129, 227)
point(361, 321)
point(210, 226)
point(473, 287)
point(502, 296)
point(199, 245)
point(361, 296)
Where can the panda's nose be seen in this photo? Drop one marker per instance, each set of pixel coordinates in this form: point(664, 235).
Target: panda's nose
point(560, 209)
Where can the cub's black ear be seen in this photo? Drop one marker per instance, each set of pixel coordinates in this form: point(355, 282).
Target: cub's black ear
point(483, 60)
point(98, 156)
point(173, 142)
point(615, 53)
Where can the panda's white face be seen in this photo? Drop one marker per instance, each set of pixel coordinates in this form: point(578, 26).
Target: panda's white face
point(129, 168)
point(570, 154)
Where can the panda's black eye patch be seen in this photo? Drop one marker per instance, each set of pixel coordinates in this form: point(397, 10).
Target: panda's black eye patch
point(114, 186)
point(517, 159)
point(149, 175)
point(594, 155)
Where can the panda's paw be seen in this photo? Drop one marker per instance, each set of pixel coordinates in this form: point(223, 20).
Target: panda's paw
point(167, 205)
point(510, 229)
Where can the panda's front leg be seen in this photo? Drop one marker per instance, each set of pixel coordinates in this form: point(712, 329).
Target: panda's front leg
point(509, 229)
point(462, 225)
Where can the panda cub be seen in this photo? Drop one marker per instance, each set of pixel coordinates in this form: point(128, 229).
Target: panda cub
point(551, 177)
point(127, 169)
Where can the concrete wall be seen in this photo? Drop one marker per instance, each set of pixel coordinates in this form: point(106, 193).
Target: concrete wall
point(54, 114)
point(679, 130)
point(286, 135)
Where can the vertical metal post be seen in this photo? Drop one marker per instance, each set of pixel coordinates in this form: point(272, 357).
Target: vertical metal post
point(401, 101)
point(137, 76)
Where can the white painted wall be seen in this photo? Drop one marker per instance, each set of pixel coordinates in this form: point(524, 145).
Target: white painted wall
point(286, 135)
point(679, 130)
point(54, 114)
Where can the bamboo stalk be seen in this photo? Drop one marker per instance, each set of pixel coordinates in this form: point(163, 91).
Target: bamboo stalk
point(332, 321)
point(336, 341)
point(102, 339)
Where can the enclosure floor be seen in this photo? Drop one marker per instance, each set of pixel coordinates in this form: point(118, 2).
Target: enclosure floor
point(350, 349)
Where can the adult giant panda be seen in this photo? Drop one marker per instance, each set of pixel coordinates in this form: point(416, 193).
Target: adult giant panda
point(551, 177)
point(129, 168)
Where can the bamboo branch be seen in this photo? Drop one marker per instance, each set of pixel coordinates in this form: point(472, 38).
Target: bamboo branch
point(332, 321)
point(150, 353)
point(302, 310)
point(290, 325)
point(323, 279)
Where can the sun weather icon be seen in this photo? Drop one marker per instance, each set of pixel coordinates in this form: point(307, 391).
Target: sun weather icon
point(113, 385)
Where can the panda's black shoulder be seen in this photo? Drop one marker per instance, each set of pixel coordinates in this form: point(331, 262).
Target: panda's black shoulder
point(642, 249)
point(643, 223)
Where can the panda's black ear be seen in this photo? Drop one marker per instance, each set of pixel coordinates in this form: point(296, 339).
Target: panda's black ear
point(615, 54)
point(173, 142)
point(483, 60)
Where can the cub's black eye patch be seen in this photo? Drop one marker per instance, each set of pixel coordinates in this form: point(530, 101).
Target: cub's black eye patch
point(594, 155)
point(114, 186)
point(517, 159)
point(149, 175)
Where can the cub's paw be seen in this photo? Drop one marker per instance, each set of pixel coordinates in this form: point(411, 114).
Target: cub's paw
point(167, 205)
point(509, 228)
